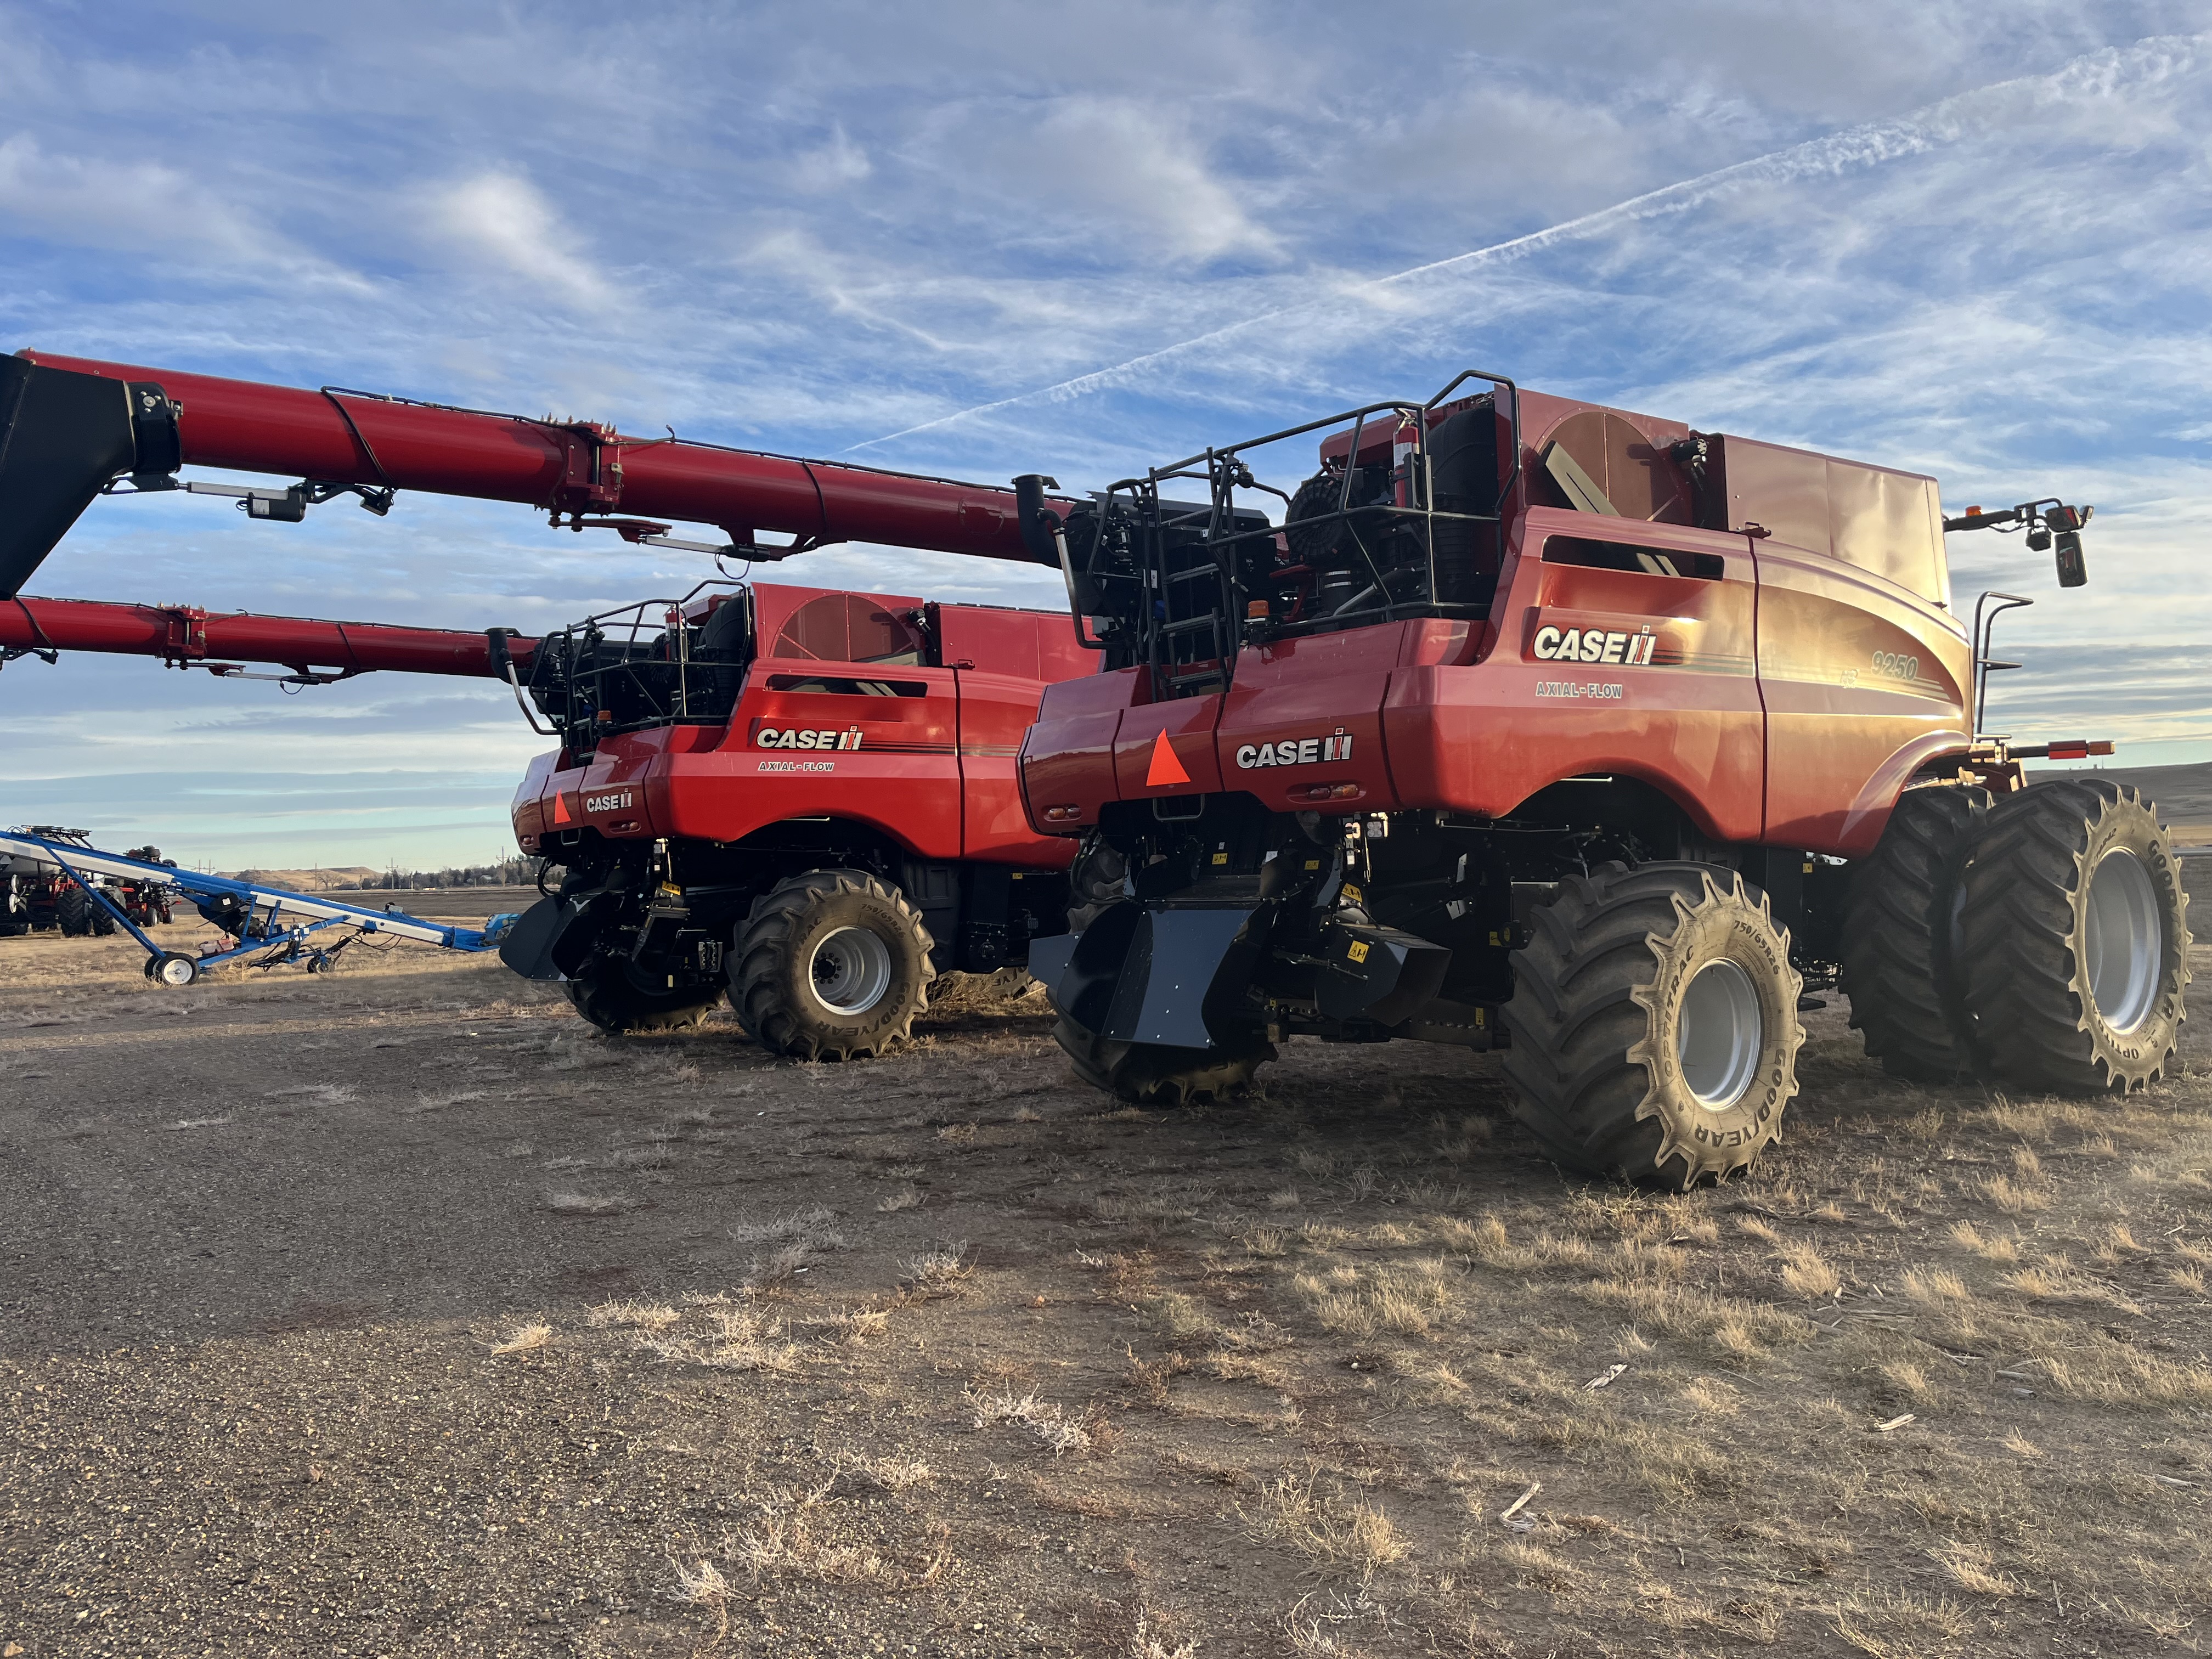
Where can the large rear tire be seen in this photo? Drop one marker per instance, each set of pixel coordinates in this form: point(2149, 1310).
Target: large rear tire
point(72, 911)
point(605, 995)
point(1654, 1024)
point(1901, 935)
point(2075, 940)
point(1150, 1073)
point(831, 965)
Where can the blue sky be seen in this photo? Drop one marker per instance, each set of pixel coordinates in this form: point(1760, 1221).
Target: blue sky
point(1974, 240)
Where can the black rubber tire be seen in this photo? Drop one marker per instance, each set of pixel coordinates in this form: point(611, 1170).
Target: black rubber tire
point(772, 968)
point(2027, 947)
point(1595, 1014)
point(1096, 879)
point(1153, 1074)
point(13, 929)
point(605, 995)
point(102, 924)
point(172, 969)
point(73, 911)
point(1900, 935)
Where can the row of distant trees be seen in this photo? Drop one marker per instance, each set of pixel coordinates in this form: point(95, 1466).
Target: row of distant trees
point(516, 871)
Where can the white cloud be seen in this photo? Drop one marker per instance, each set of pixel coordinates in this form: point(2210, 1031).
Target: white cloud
point(1111, 169)
point(135, 207)
point(502, 220)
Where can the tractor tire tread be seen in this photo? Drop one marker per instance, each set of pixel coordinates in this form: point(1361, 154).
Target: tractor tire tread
point(1896, 969)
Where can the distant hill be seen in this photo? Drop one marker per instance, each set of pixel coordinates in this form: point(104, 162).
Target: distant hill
point(2184, 793)
point(307, 881)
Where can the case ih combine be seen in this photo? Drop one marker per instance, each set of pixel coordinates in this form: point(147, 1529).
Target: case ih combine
point(1521, 724)
point(804, 797)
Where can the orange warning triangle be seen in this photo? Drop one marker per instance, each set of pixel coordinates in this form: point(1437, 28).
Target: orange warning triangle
point(1166, 767)
point(560, 808)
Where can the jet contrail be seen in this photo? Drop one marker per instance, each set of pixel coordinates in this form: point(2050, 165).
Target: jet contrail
point(2099, 73)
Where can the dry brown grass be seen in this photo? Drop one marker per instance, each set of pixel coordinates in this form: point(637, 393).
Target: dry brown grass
point(1320, 1341)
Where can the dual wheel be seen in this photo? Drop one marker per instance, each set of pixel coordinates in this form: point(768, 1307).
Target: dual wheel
point(2040, 939)
point(833, 964)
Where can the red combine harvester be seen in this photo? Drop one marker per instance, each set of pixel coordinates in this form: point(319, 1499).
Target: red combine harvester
point(1526, 724)
point(807, 796)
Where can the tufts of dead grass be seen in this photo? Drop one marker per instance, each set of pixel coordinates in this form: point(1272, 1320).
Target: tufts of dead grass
point(1046, 1421)
point(1351, 1535)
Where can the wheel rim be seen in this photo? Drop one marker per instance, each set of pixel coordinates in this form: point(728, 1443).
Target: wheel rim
point(1718, 1034)
point(851, 970)
point(2123, 938)
point(177, 973)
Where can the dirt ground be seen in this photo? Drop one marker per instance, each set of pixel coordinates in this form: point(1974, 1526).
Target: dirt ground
point(392, 1312)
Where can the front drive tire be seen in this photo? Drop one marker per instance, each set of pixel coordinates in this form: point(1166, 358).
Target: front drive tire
point(73, 911)
point(1151, 1073)
point(1900, 935)
point(1654, 1024)
point(2076, 939)
point(831, 965)
point(605, 995)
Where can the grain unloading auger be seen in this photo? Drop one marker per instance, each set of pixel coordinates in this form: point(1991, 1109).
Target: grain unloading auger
point(73, 429)
point(265, 926)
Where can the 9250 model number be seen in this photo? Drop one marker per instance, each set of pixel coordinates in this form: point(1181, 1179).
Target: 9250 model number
point(1892, 666)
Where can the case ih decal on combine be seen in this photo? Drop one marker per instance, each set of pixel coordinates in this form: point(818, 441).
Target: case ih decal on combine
point(1329, 777)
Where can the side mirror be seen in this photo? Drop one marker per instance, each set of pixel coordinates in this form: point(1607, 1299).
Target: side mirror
point(2072, 571)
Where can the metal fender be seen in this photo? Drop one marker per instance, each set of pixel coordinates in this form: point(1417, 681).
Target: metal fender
point(1377, 973)
point(532, 944)
point(1172, 976)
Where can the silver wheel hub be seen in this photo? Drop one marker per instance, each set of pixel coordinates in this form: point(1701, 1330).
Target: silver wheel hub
point(2123, 939)
point(850, 970)
point(1718, 1034)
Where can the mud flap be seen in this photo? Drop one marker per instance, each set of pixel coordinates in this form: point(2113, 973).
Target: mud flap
point(1378, 973)
point(549, 940)
point(1172, 977)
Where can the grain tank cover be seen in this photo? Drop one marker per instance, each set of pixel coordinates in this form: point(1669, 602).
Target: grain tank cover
point(1876, 518)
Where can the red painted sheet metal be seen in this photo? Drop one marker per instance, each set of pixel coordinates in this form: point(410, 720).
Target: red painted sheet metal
point(351, 438)
point(181, 634)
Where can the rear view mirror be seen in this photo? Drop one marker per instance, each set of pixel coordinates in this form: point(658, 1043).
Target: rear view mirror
point(2072, 571)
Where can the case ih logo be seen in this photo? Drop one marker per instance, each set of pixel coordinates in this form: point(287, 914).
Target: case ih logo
point(613, 802)
point(1594, 645)
point(1294, 752)
point(771, 737)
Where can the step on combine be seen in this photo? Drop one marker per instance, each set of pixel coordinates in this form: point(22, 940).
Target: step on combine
point(1521, 724)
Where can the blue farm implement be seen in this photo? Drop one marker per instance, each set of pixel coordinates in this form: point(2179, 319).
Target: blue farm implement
point(268, 926)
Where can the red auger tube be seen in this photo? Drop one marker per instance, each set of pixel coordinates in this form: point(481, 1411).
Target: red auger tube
point(70, 425)
point(184, 636)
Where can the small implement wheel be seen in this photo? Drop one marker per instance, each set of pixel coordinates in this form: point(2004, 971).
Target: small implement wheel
point(1151, 1073)
point(1654, 1024)
point(2076, 936)
point(830, 965)
point(1901, 935)
point(606, 994)
point(170, 969)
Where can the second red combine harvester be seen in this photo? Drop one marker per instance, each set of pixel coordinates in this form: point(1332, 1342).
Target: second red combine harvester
point(1522, 724)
